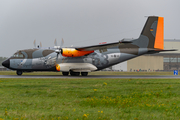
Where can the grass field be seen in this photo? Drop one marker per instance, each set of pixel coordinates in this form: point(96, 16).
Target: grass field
point(82, 99)
point(91, 73)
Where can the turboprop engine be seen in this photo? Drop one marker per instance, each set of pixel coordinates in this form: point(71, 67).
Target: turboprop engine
point(71, 52)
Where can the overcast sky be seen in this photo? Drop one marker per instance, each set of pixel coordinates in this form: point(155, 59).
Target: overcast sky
point(80, 22)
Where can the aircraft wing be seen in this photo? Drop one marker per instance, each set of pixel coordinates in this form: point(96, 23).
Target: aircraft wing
point(102, 46)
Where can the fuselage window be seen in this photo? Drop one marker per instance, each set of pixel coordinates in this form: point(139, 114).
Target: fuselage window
point(21, 55)
point(18, 55)
point(15, 55)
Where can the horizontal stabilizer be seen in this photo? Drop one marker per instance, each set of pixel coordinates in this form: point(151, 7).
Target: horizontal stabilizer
point(152, 51)
point(169, 50)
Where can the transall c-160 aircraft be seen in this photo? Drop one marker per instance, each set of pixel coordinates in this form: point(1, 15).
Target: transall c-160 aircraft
point(81, 60)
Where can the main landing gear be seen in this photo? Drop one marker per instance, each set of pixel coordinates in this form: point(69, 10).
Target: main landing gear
point(19, 72)
point(65, 73)
point(75, 73)
point(84, 73)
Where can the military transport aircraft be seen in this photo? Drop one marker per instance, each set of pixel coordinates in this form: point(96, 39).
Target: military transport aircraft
point(81, 60)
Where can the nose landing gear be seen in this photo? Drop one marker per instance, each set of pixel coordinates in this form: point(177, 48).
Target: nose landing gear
point(19, 72)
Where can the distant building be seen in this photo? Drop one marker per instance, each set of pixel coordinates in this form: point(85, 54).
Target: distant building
point(120, 67)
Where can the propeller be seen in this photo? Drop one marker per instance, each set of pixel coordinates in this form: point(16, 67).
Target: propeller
point(58, 48)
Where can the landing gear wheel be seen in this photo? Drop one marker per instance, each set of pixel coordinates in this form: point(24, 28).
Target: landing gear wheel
point(65, 73)
point(84, 73)
point(18, 72)
point(75, 73)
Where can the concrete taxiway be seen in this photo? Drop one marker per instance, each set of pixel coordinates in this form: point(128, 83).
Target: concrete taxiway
point(95, 76)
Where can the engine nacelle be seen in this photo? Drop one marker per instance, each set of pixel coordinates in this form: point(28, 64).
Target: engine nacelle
point(71, 52)
point(58, 67)
point(75, 67)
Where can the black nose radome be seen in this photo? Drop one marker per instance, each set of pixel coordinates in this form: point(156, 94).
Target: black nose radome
point(6, 63)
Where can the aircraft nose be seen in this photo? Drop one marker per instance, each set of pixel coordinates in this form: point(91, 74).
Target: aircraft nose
point(6, 63)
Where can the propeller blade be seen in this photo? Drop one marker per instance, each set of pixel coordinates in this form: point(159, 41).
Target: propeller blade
point(57, 55)
point(62, 42)
point(34, 43)
point(55, 42)
point(40, 45)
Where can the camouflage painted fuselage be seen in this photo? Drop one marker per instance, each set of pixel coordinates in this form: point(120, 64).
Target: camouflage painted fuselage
point(46, 60)
point(149, 41)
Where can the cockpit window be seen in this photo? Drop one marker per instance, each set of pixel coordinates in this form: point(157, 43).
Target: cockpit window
point(18, 55)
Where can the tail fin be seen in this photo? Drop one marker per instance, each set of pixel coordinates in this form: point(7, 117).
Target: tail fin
point(152, 35)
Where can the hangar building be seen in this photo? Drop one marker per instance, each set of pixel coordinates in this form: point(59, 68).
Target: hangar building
point(164, 61)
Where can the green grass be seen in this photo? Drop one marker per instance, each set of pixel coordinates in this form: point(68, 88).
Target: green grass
point(35, 99)
point(91, 73)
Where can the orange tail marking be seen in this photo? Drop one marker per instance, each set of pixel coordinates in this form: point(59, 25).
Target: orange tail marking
point(159, 40)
